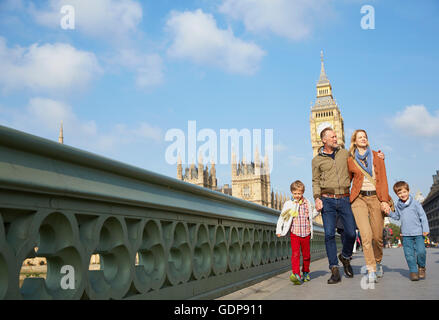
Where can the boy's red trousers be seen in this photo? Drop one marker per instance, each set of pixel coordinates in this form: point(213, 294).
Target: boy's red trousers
point(297, 243)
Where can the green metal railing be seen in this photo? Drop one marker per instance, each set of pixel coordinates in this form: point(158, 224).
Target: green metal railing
point(66, 205)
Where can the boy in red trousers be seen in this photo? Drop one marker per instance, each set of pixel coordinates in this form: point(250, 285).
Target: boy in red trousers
point(296, 217)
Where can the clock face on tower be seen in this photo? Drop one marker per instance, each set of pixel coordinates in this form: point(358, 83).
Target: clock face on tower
point(322, 126)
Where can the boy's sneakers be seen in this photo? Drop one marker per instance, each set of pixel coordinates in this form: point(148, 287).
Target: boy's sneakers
point(306, 277)
point(296, 279)
point(380, 271)
point(372, 277)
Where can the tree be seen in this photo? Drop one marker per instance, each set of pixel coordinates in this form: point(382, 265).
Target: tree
point(396, 230)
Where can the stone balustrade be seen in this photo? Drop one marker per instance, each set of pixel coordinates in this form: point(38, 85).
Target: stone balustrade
point(148, 236)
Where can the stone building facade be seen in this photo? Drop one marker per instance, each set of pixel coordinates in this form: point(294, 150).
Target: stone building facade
point(201, 176)
point(431, 208)
point(250, 180)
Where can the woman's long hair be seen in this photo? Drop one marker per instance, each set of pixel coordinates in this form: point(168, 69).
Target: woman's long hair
point(353, 138)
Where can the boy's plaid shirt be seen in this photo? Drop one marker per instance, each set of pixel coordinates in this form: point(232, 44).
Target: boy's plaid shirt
point(300, 225)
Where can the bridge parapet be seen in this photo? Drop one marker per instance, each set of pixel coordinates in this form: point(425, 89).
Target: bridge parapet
point(156, 237)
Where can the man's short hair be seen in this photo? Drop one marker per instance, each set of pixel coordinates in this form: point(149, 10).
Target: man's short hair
point(400, 185)
point(297, 185)
point(322, 134)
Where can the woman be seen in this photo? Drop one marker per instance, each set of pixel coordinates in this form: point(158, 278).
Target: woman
point(369, 197)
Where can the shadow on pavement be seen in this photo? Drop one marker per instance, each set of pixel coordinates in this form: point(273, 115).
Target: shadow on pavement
point(356, 269)
point(317, 274)
point(403, 272)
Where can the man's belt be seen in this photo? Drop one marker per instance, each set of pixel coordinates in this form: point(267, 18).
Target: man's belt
point(368, 193)
point(335, 196)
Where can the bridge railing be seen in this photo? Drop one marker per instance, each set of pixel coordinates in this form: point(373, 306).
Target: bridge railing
point(155, 237)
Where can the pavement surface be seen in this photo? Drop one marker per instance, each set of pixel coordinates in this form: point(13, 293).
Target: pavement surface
point(395, 283)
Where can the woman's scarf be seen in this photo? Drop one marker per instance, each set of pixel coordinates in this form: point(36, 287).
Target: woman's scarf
point(365, 159)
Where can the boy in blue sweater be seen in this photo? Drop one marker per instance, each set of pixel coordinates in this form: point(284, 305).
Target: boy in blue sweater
point(414, 227)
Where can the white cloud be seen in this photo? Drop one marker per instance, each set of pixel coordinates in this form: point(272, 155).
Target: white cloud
point(197, 37)
point(108, 19)
point(416, 120)
point(48, 114)
point(292, 19)
point(148, 67)
point(43, 117)
point(49, 67)
point(116, 21)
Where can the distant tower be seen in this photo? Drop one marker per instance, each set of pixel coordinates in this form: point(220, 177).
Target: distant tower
point(213, 182)
point(251, 180)
point(419, 197)
point(61, 134)
point(325, 112)
point(266, 170)
point(234, 165)
point(201, 176)
point(179, 168)
point(198, 175)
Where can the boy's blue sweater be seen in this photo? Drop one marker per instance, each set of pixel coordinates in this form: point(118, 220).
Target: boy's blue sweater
point(413, 218)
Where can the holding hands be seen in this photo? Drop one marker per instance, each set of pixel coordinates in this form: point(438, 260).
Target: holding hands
point(385, 207)
point(381, 154)
point(319, 204)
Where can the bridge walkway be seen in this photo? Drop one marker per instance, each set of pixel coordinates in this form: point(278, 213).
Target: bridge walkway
point(394, 285)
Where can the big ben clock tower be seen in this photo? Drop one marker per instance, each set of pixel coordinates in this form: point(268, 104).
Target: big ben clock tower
point(325, 113)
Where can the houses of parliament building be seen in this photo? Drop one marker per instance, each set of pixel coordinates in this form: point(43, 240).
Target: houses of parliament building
point(251, 180)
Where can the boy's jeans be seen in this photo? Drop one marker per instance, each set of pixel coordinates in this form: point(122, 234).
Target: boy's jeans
point(414, 251)
point(342, 207)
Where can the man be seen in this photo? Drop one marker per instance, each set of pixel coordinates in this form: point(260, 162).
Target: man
point(331, 183)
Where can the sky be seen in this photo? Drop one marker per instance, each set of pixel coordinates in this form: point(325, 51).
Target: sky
point(123, 76)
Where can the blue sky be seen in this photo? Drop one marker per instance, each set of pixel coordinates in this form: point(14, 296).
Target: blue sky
point(132, 70)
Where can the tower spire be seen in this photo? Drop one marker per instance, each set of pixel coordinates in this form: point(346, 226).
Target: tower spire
point(257, 157)
point(324, 88)
point(234, 164)
point(213, 174)
point(179, 168)
point(323, 78)
point(61, 134)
